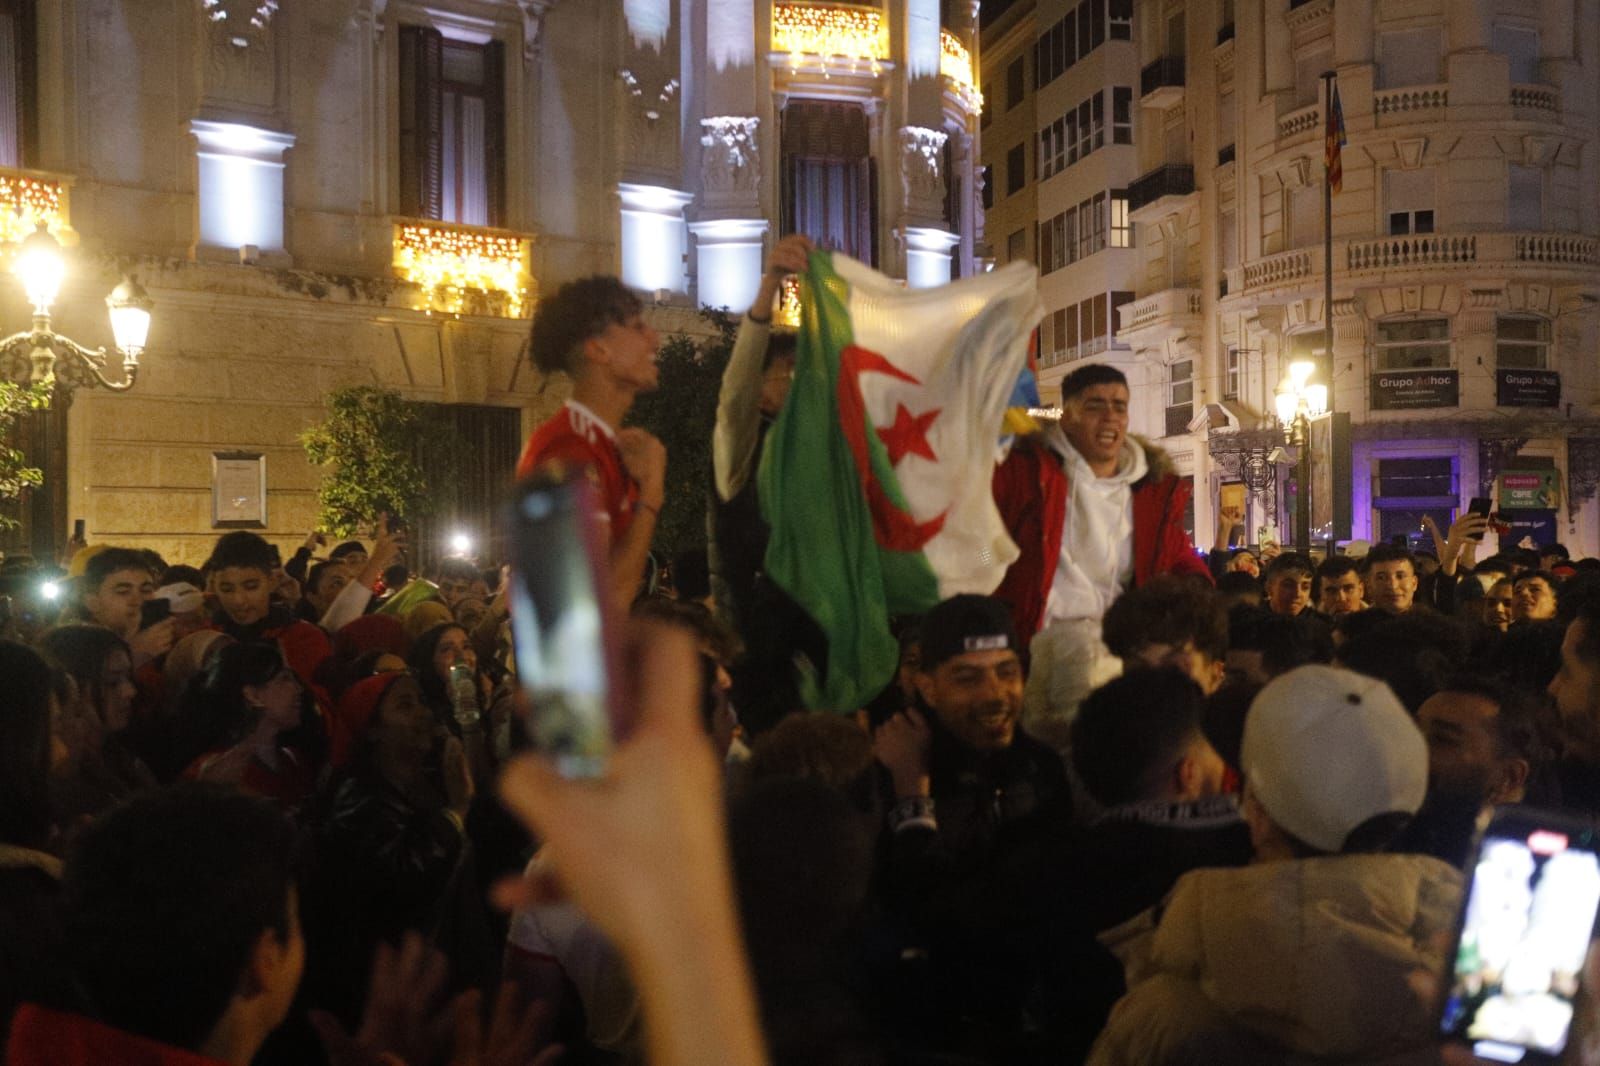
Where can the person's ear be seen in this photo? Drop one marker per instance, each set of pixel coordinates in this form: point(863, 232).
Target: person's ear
point(1513, 783)
point(1186, 778)
point(253, 695)
point(1216, 671)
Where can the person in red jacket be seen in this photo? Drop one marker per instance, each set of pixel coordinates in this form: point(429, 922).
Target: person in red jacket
point(1094, 511)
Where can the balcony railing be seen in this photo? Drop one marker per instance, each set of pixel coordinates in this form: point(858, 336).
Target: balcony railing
point(28, 198)
point(1162, 80)
point(1171, 180)
point(464, 269)
point(1299, 123)
point(1399, 253)
point(1434, 252)
point(830, 32)
point(1410, 101)
point(955, 63)
point(1535, 98)
point(1169, 307)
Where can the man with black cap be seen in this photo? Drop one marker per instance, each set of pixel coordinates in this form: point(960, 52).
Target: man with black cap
point(968, 785)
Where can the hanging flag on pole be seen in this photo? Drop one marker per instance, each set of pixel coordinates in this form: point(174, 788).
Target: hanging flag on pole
point(876, 477)
point(1335, 140)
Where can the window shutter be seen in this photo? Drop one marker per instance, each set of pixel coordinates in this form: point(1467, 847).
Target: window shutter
point(494, 129)
point(421, 122)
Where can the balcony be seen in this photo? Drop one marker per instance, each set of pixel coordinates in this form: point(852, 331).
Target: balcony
point(1152, 319)
point(468, 270)
point(955, 63)
point(1159, 192)
point(1539, 98)
point(28, 198)
point(1548, 257)
point(832, 35)
point(1161, 83)
point(1299, 125)
point(1413, 103)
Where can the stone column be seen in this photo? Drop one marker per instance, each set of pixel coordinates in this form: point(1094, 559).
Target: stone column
point(729, 235)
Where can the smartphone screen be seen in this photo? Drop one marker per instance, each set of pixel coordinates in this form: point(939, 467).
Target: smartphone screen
point(1525, 931)
point(559, 624)
point(153, 611)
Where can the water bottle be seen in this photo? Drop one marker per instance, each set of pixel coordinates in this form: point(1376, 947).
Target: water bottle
point(464, 696)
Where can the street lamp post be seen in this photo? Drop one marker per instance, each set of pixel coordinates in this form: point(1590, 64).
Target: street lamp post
point(1298, 401)
point(40, 267)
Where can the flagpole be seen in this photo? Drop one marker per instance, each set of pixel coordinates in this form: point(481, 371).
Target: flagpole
point(1327, 239)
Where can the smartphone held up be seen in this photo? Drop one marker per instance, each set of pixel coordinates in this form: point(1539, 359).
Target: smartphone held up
point(1528, 917)
point(562, 629)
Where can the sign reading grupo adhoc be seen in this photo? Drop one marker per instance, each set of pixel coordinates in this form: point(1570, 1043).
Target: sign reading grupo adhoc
point(1527, 388)
point(1408, 390)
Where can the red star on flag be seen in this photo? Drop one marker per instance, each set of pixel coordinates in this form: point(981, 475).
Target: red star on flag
point(908, 435)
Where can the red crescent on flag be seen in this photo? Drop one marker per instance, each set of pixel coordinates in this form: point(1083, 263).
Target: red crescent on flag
point(894, 528)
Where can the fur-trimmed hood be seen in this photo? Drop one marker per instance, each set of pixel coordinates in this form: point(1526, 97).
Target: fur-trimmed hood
point(1159, 462)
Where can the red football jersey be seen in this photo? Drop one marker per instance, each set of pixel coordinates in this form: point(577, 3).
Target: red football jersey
point(576, 438)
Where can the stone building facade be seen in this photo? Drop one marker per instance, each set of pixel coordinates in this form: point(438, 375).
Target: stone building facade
point(1466, 252)
point(375, 192)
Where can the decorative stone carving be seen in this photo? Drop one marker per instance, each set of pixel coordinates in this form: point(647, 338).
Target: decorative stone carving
point(533, 12)
point(922, 164)
point(240, 20)
point(241, 54)
point(732, 158)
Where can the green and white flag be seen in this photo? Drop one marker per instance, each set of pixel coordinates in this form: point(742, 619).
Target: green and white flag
point(876, 478)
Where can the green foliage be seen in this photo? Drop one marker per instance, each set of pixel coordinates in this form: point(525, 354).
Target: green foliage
point(16, 476)
point(368, 440)
point(682, 412)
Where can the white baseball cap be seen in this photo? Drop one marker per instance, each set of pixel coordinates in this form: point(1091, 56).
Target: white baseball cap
point(1325, 749)
point(183, 596)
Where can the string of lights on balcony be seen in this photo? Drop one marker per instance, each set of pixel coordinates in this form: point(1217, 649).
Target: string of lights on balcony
point(854, 33)
point(25, 202)
point(446, 262)
point(955, 63)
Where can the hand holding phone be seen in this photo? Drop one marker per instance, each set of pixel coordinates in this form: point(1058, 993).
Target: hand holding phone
point(562, 636)
point(1523, 937)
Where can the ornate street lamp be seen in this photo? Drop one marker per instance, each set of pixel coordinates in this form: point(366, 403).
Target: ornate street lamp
point(41, 267)
point(1298, 401)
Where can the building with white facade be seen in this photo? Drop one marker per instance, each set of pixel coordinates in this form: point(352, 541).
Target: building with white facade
point(1465, 259)
point(1061, 86)
point(340, 192)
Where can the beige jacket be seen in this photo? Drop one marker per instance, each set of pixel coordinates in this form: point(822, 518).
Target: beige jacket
point(1287, 961)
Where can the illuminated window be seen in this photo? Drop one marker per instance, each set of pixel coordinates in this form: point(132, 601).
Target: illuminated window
point(1121, 225)
point(452, 128)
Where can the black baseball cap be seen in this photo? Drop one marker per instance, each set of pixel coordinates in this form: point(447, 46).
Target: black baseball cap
point(966, 623)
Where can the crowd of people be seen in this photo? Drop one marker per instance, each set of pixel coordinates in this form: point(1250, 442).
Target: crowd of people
point(1141, 805)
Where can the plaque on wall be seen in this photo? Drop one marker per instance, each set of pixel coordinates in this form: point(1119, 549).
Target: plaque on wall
point(1527, 388)
point(1410, 390)
point(238, 490)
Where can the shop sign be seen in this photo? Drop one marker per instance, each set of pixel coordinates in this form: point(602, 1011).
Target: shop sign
point(1530, 490)
point(1535, 529)
point(1408, 390)
point(1527, 388)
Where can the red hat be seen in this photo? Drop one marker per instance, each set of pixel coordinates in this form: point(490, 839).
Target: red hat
point(355, 712)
